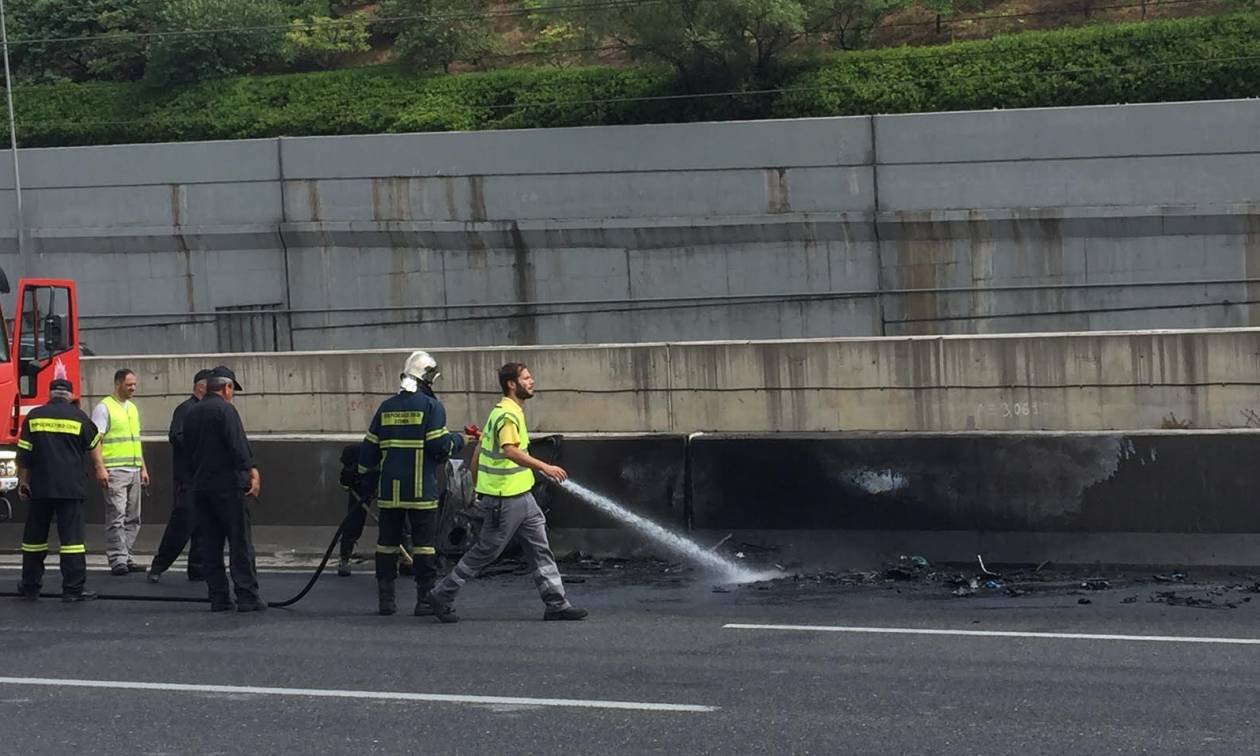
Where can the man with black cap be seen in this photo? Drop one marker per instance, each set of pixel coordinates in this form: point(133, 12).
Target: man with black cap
point(55, 440)
point(182, 525)
point(224, 478)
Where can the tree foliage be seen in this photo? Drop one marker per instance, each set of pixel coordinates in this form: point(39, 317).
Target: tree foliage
point(317, 42)
point(226, 37)
point(119, 57)
point(725, 44)
point(437, 33)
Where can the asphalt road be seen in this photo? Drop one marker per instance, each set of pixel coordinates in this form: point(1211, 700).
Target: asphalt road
point(654, 670)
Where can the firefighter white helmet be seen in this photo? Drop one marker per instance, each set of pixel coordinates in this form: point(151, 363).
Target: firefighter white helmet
point(420, 367)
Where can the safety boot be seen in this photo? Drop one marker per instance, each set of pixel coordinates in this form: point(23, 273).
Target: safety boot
point(343, 567)
point(423, 609)
point(385, 604)
point(28, 593)
point(565, 614)
point(443, 612)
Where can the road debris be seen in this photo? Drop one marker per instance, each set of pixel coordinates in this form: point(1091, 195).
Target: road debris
point(984, 569)
point(1173, 599)
point(718, 545)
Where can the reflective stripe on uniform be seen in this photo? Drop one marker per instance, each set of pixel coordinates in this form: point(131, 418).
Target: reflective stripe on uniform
point(55, 425)
point(34, 548)
point(500, 470)
point(418, 483)
point(24, 444)
point(388, 549)
point(74, 548)
point(402, 418)
point(433, 435)
point(406, 504)
point(425, 550)
point(402, 443)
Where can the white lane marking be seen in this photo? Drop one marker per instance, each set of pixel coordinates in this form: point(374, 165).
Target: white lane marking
point(357, 694)
point(998, 634)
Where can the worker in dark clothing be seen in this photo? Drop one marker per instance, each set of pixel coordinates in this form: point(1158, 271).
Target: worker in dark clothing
point(182, 525)
point(402, 450)
point(55, 441)
point(356, 508)
point(225, 477)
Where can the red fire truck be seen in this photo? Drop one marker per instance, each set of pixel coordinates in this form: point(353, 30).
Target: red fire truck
point(44, 331)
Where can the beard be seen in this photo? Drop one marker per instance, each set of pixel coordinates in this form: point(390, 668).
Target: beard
point(522, 393)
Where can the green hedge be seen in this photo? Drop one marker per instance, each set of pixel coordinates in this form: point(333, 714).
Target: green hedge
point(1105, 64)
point(1142, 62)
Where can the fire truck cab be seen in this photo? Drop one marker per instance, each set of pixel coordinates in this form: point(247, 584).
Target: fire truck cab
point(42, 333)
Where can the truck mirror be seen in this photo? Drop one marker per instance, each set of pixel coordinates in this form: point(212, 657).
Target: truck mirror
point(55, 336)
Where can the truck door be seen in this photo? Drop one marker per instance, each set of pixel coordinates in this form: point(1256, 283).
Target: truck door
point(45, 334)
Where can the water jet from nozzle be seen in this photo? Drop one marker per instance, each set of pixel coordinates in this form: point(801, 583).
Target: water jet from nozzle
point(728, 571)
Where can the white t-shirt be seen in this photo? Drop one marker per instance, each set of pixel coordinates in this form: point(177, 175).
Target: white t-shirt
point(100, 418)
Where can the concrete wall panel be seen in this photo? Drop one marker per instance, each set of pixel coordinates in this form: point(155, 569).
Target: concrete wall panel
point(629, 215)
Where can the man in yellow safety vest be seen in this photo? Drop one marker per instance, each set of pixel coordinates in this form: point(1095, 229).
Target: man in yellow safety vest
point(504, 478)
point(118, 420)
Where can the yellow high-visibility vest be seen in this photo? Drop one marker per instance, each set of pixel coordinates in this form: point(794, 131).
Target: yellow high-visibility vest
point(496, 474)
point(121, 445)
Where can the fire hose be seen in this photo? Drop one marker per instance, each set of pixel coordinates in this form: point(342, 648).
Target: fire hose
point(190, 600)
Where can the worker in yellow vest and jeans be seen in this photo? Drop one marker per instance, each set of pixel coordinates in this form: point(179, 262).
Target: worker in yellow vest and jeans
point(503, 474)
point(118, 420)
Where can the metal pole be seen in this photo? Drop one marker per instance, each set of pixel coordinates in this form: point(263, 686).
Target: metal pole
point(8, 90)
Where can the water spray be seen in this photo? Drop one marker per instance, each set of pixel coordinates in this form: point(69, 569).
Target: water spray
point(728, 571)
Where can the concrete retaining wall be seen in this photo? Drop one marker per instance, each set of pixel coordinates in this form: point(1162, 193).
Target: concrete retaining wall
point(1073, 382)
point(885, 225)
point(1175, 497)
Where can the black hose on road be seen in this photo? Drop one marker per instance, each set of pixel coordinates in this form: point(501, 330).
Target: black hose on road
point(180, 599)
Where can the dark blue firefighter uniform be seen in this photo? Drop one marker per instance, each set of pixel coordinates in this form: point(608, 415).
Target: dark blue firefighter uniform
point(53, 448)
point(405, 445)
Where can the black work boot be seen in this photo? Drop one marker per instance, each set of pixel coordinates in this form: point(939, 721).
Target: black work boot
point(251, 604)
point(569, 613)
point(444, 612)
point(385, 591)
point(28, 593)
point(74, 598)
point(343, 567)
point(423, 609)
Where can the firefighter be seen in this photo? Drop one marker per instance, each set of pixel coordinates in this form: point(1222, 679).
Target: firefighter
point(55, 440)
point(398, 462)
point(504, 480)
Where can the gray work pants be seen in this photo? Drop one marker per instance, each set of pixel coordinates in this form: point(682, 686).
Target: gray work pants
point(506, 519)
point(122, 515)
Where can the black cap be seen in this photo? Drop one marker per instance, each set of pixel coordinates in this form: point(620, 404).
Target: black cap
point(202, 375)
point(61, 384)
point(223, 371)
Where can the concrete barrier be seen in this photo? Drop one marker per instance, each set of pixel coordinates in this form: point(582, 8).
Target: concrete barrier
point(1172, 497)
point(1025, 382)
